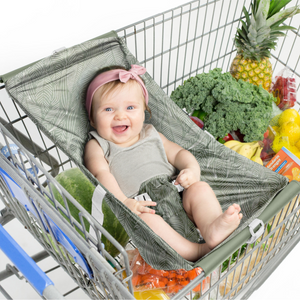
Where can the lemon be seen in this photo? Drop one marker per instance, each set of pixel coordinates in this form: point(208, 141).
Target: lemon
point(289, 115)
point(292, 131)
point(293, 149)
point(298, 145)
point(297, 154)
point(279, 142)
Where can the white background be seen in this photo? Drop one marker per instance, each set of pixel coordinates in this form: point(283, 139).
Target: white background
point(31, 30)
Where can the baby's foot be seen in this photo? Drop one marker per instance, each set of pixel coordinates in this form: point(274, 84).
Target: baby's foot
point(224, 225)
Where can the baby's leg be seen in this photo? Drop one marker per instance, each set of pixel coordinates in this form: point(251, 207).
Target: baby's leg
point(188, 250)
point(204, 210)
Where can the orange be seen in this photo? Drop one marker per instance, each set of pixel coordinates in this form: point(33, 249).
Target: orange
point(289, 115)
point(292, 131)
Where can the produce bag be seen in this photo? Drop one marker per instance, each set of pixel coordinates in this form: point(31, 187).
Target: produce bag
point(285, 131)
point(146, 278)
point(284, 89)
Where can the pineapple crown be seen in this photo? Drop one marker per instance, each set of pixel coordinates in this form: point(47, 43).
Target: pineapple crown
point(260, 31)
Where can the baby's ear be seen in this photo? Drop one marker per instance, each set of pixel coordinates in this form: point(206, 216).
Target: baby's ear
point(92, 123)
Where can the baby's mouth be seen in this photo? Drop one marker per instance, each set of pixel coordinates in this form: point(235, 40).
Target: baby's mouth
point(120, 128)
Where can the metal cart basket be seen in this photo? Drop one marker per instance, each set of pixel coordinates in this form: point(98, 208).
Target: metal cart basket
point(173, 46)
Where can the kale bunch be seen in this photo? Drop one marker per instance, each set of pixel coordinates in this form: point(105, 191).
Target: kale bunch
point(230, 105)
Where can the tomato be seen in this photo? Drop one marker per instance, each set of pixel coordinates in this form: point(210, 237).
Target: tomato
point(226, 138)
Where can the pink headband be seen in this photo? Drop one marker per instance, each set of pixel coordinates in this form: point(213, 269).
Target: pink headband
point(112, 75)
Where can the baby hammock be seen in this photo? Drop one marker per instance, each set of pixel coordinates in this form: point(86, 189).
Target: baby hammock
point(52, 93)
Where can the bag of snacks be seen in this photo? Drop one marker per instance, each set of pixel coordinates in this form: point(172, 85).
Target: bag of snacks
point(170, 282)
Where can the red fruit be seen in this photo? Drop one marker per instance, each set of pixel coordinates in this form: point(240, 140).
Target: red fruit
point(266, 134)
point(284, 89)
point(228, 137)
point(267, 144)
point(197, 121)
point(263, 155)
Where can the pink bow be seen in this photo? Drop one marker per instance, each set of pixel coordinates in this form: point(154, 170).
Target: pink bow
point(112, 75)
point(133, 73)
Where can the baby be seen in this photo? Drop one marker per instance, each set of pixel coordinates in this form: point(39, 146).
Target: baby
point(124, 152)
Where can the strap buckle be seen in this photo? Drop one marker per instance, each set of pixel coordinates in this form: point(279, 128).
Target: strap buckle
point(258, 233)
point(143, 197)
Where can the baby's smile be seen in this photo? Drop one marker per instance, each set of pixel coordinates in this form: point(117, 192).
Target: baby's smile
point(120, 128)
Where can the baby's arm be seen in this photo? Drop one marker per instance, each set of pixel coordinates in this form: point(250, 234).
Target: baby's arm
point(96, 163)
point(184, 161)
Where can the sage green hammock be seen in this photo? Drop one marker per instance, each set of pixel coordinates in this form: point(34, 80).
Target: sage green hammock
point(52, 93)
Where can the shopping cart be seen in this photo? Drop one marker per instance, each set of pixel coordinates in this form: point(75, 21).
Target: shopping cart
point(173, 46)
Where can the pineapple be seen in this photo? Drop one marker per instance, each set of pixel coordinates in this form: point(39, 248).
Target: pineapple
point(256, 38)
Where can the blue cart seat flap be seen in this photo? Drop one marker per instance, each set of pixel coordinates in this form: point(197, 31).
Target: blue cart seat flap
point(17, 192)
point(65, 241)
point(59, 235)
point(25, 264)
point(14, 150)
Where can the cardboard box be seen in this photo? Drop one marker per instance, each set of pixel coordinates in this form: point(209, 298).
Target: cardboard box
point(286, 164)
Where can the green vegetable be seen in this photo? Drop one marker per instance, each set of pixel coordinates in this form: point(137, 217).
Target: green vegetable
point(230, 104)
point(200, 114)
point(79, 186)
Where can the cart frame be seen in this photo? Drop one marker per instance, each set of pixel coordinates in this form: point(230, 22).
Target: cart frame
point(173, 46)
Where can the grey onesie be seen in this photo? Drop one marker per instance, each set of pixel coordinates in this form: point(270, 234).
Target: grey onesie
point(136, 164)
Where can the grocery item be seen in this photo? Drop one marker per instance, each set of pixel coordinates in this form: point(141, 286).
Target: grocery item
point(227, 104)
point(197, 121)
point(256, 156)
point(284, 89)
point(157, 294)
point(292, 131)
point(256, 37)
point(289, 115)
point(286, 164)
point(199, 113)
point(249, 150)
point(79, 186)
point(228, 137)
point(145, 278)
point(267, 152)
point(285, 131)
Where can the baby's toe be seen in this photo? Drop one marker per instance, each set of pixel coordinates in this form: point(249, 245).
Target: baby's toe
point(237, 207)
point(230, 210)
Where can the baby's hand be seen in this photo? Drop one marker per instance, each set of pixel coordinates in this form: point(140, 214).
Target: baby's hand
point(139, 207)
point(186, 178)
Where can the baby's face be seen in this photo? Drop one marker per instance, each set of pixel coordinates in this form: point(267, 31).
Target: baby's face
point(119, 115)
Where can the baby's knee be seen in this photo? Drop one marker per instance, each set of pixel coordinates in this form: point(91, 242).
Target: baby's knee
point(200, 185)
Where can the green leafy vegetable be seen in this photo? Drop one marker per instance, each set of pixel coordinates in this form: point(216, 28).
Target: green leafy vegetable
point(230, 104)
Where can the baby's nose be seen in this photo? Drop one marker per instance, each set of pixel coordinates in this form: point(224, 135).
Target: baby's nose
point(120, 115)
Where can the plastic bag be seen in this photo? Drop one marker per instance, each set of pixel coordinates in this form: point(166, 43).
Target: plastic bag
point(267, 152)
point(285, 132)
point(170, 282)
point(284, 89)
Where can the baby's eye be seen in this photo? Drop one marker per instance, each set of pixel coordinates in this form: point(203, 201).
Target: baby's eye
point(108, 109)
point(130, 107)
